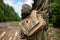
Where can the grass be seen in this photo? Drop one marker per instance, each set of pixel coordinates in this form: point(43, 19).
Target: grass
point(15, 24)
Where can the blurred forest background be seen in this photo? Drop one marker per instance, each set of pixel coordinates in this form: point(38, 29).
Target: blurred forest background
point(54, 16)
point(7, 13)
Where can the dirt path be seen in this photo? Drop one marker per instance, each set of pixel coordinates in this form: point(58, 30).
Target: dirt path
point(53, 33)
point(9, 34)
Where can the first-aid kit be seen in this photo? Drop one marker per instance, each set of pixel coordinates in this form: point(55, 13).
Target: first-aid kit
point(32, 23)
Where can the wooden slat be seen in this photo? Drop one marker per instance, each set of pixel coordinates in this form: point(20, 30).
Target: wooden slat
point(10, 38)
point(16, 33)
point(2, 35)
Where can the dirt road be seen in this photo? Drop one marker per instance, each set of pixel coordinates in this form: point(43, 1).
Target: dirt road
point(10, 33)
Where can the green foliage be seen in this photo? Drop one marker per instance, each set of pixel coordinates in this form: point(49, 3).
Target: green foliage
point(7, 13)
point(50, 25)
point(55, 13)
